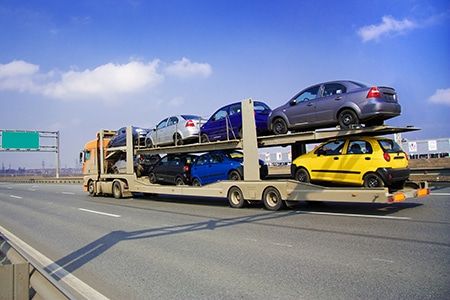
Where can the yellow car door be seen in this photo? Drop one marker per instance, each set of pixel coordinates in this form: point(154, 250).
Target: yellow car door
point(325, 164)
point(356, 161)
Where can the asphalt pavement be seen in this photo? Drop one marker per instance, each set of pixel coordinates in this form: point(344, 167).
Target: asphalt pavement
point(183, 248)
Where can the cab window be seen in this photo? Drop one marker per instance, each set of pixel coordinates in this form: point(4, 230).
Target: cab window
point(331, 148)
point(359, 147)
point(307, 95)
point(334, 89)
point(87, 155)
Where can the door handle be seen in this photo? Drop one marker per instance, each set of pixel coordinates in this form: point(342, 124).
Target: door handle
point(367, 158)
point(336, 158)
point(338, 98)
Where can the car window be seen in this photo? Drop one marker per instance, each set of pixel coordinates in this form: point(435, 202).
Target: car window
point(216, 158)
point(161, 124)
point(221, 114)
point(359, 147)
point(172, 121)
point(259, 106)
point(309, 94)
point(190, 117)
point(235, 109)
point(333, 89)
point(331, 148)
point(389, 146)
point(202, 160)
point(163, 160)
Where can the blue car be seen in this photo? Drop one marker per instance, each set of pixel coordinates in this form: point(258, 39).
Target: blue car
point(220, 165)
point(216, 127)
point(120, 138)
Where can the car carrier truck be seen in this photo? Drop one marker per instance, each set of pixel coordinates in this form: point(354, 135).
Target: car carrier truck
point(274, 193)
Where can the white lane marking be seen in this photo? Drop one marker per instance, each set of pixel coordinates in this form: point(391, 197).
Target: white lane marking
point(14, 196)
point(351, 215)
point(9, 187)
point(383, 260)
point(32, 190)
point(99, 212)
point(57, 271)
point(283, 245)
point(34, 186)
point(440, 194)
point(251, 240)
point(67, 193)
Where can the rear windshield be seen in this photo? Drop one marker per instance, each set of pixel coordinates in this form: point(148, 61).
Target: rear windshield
point(359, 84)
point(235, 155)
point(389, 146)
point(190, 117)
point(259, 106)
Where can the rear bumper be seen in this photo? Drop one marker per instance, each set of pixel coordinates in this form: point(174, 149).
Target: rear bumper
point(391, 176)
point(380, 110)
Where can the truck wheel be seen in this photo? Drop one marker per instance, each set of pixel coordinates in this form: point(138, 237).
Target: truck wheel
point(236, 197)
point(279, 126)
point(117, 190)
point(302, 175)
point(234, 175)
point(372, 180)
point(152, 177)
point(196, 182)
point(272, 199)
point(347, 118)
point(91, 188)
point(179, 181)
point(177, 140)
point(204, 138)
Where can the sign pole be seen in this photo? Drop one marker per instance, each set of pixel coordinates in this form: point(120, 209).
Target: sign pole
point(57, 155)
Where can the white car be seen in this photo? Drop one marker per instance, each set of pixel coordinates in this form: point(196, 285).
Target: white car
point(175, 130)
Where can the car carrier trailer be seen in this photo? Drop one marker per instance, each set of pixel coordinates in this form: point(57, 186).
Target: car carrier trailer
point(273, 193)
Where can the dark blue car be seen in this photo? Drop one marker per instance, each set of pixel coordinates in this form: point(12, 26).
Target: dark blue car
point(120, 137)
point(230, 117)
point(220, 165)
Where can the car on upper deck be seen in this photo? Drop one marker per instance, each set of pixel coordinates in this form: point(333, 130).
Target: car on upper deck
point(345, 103)
point(360, 161)
point(120, 138)
point(230, 117)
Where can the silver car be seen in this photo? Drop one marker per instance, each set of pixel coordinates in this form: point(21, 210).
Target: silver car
point(345, 103)
point(175, 130)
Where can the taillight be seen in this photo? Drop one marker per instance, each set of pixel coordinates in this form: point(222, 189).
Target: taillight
point(373, 93)
point(186, 168)
point(386, 156)
point(189, 123)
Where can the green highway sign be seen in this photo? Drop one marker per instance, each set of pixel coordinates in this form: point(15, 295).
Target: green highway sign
point(20, 140)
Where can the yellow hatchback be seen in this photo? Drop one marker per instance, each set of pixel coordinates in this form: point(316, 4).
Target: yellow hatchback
point(363, 161)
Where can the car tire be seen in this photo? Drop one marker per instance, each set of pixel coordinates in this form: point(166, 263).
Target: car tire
point(139, 170)
point(236, 197)
point(117, 190)
point(347, 118)
point(204, 138)
point(234, 175)
point(196, 182)
point(179, 181)
point(91, 188)
point(152, 178)
point(302, 175)
point(177, 140)
point(372, 180)
point(279, 126)
point(272, 199)
point(148, 143)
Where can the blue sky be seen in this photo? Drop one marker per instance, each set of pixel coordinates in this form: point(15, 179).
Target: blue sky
point(80, 66)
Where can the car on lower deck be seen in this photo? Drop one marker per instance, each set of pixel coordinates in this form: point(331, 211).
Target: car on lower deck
point(220, 165)
point(172, 169)
point(226, 122)
point(345, 103)
point(359, 161)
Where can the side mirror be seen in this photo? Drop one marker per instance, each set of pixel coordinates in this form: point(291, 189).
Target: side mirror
point(81, 157)
point(292, 102)
point(321, 152)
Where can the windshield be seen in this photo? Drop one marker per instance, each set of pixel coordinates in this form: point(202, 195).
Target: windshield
point(389, 146)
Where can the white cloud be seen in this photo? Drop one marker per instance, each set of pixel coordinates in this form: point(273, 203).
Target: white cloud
point(184, 68)
point(106, 82)
point(388, 26)
point(441, 96)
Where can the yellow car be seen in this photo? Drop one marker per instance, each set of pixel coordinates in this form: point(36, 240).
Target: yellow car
point(362, 161)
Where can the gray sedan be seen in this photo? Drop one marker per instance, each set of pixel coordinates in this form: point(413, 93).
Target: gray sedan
point(175, 130)
point(344, 103)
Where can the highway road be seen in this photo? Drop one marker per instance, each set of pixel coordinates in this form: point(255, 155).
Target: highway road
point(177, 248)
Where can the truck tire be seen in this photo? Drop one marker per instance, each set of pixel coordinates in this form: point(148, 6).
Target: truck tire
point(272, 199)
point(372, 180)
point(117, 190)
point(91, 188)
point(236, 197)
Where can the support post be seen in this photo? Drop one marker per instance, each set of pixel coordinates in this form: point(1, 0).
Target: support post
point(297, 149)
point(249, 141)
point(130, 154)
point(58, 159)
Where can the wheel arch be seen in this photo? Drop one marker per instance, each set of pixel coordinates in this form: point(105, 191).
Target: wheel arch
point(348, 105)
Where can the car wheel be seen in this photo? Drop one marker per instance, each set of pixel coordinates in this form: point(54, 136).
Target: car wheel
point(179, 181)
point(236, 197)
point(152, 177)
point(272, 199)
point(196, 182)
point(302, 175)
point(177, 140)
point(347, 118)
point(139, 171)
point(279, 126)
point(234, 175)
point(91, 188)
point(117, 190)
point(148, 143)
point(372, 180)
point(204, 138)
